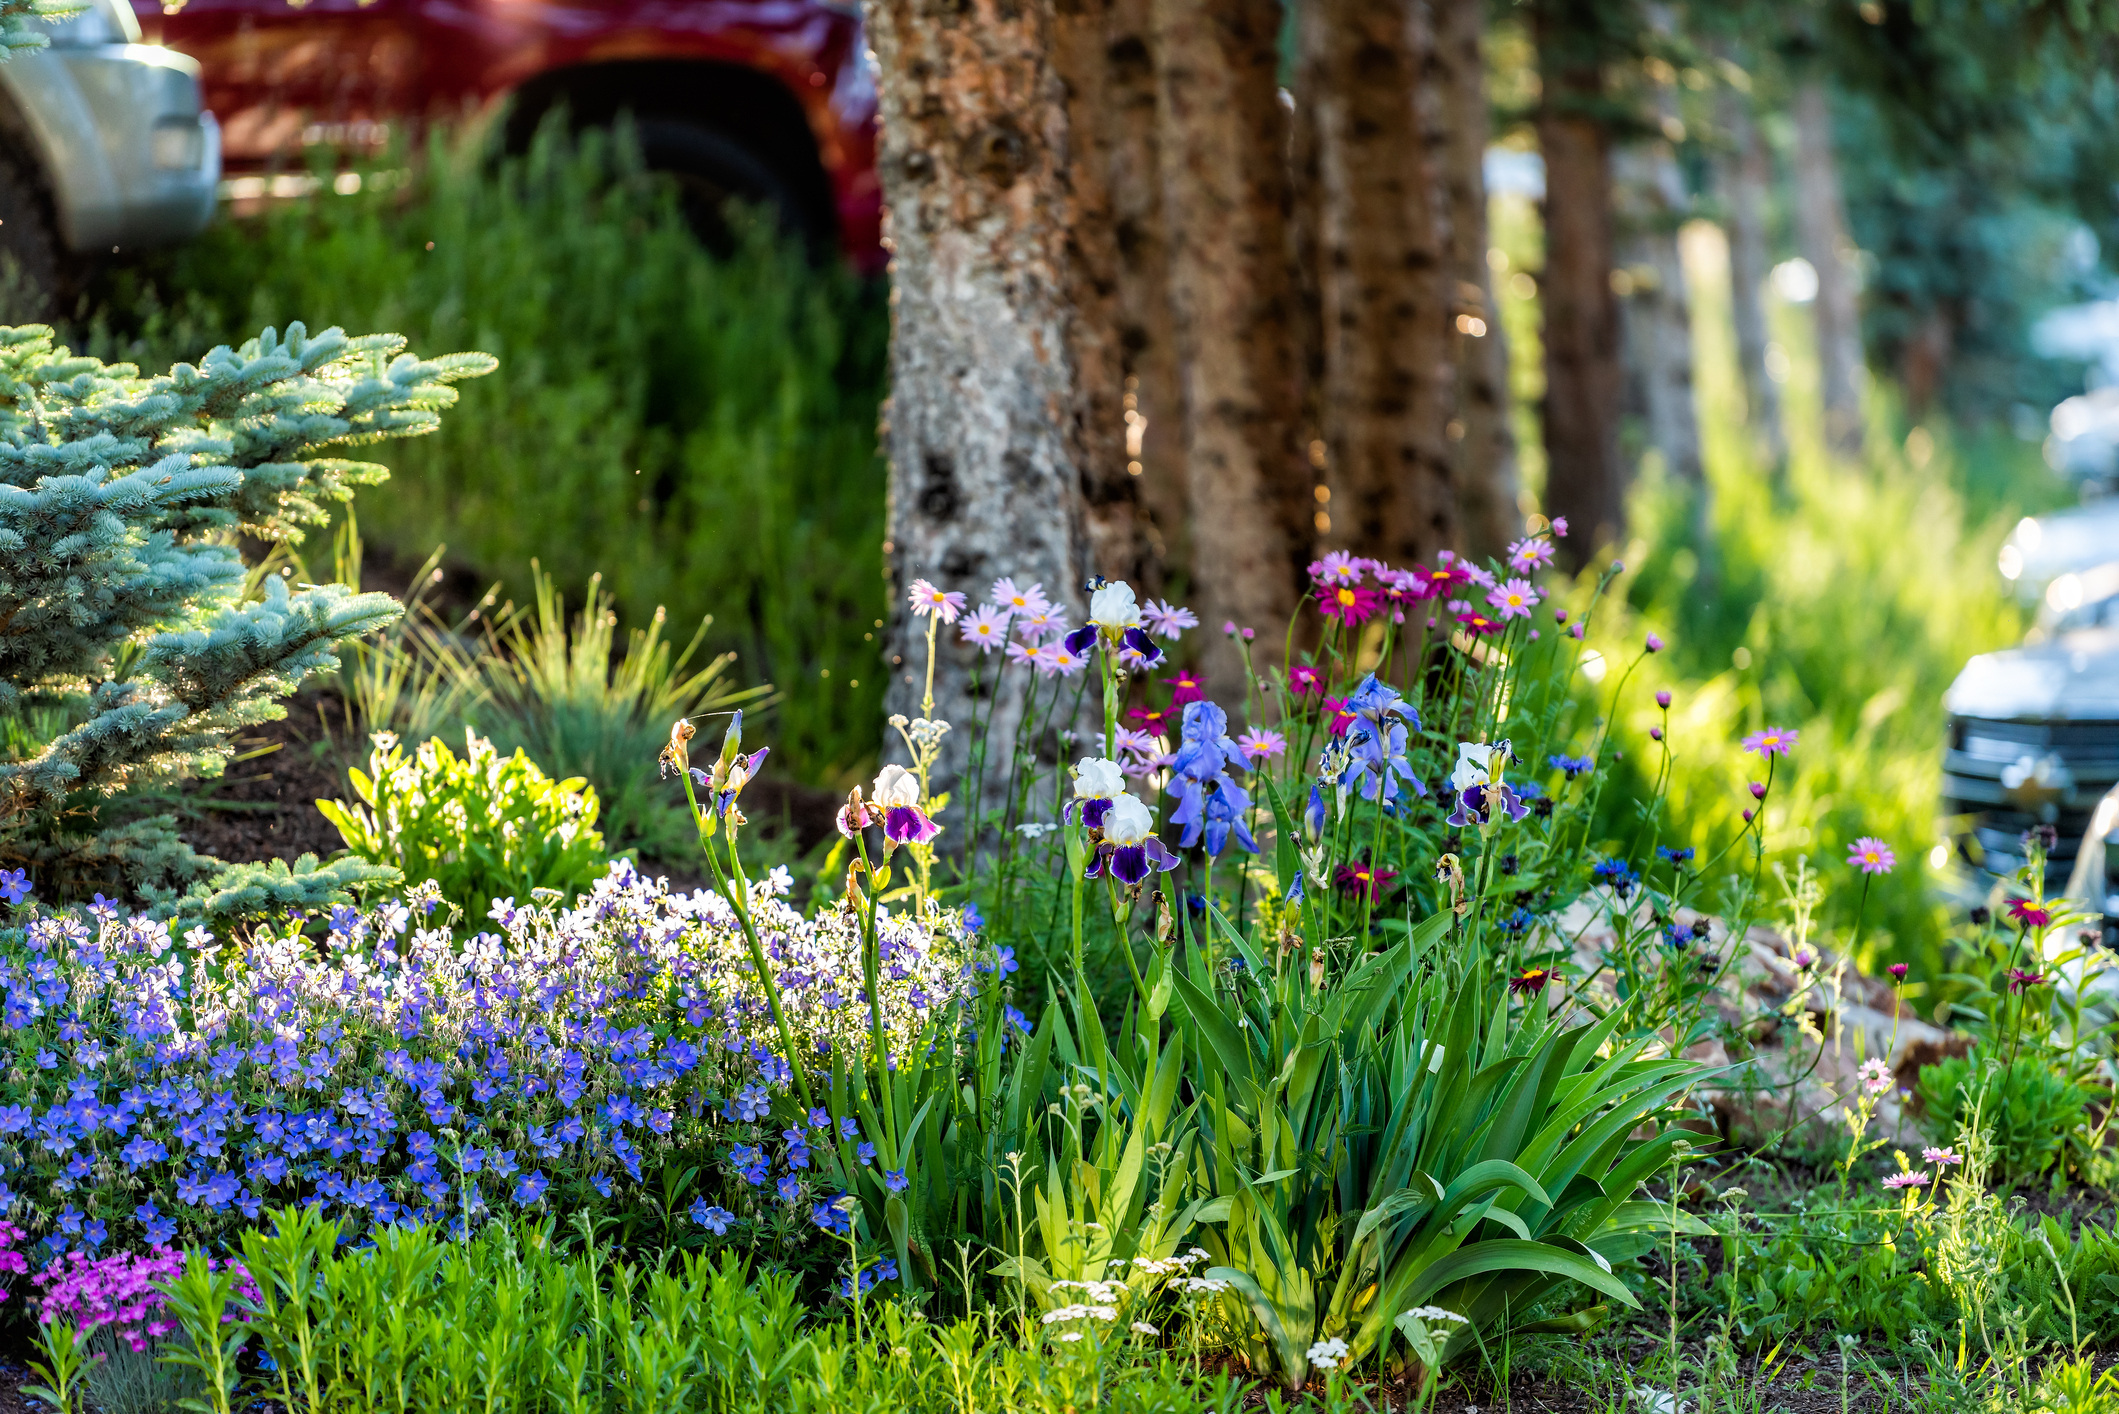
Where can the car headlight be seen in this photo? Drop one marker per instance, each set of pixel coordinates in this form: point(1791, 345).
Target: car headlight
point(178, 144)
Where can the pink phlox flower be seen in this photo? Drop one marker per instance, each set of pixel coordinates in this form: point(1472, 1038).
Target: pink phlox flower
point(1907, 1180)
point(1167, 620)
point(1263, 745)
point(1514, 600)
point(1871, 856)
point(1015, 601)
point(987, 629)
point(1773, 741)
point(926, 600)
point(1528, 554)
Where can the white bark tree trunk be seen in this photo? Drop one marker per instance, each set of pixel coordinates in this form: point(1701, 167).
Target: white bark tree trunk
point(1821, 231)
point(984, 428)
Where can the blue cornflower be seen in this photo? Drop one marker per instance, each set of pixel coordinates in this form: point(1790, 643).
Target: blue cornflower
point(1517, 922)
point(1571, 766)
point(1616, 873)
point(1675, 856)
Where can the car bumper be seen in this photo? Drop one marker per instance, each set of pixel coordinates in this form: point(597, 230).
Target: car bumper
point(132, 158)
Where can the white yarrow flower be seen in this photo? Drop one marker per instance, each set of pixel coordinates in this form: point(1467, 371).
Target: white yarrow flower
point(1326, 1354)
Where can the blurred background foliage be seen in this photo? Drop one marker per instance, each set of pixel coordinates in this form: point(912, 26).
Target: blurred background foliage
point(699, 431)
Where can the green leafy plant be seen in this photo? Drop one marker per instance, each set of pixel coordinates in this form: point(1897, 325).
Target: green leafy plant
point(483, 826)
point(2033, 1112)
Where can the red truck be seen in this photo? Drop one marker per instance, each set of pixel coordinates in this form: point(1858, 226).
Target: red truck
point(771, 101)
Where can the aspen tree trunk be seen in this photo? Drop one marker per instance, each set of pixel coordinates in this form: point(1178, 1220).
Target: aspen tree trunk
point(1487, 483)
point(1222, 158)
point(1103, 86)
point(1384, 288)
point(986, 425)
point(1821, 231)
point(1747, 181)
point(1585, 481)
point(1655, 314)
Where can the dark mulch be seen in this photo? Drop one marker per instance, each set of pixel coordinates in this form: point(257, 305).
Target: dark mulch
point(264, 806)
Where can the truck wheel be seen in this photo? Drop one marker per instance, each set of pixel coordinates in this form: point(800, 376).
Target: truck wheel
point(30, 260)
point(723, 185)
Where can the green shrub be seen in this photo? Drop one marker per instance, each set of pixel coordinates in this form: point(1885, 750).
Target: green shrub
point(482, 825)
point(702, 432)
point(2032, 1110)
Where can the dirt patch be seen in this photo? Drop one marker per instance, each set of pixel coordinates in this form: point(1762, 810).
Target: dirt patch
point(264, 806)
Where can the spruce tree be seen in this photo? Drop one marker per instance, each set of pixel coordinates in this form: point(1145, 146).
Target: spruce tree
point(128, 618)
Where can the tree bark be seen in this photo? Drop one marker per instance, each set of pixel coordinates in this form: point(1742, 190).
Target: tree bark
point(1222, 135)
point(1655, 313)
point(986, 428)
point(1100, 55)
point(1747, 183)
point(1488, 487)
point(1585, 480)
point(1384, 287)
point(1821, 231)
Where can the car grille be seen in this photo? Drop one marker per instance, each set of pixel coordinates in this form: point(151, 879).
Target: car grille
point(2011, 776)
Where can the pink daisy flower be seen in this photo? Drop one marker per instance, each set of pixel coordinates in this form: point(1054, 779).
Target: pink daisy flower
point(1514, 600)
point(1013, 601)
point(1941, 1158)
point(1529, 554)
point(928, 600)
point(1338, 567)
point(1907, 1180)
point(1773, 741)
point(987, 629)
point(1059, 659)
point(1263, 745)
point(1037, 626)
point(1167, 620)
point(1871, 855)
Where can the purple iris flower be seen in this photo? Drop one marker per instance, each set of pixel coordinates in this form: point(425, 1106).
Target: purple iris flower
point(1375, 743)
point(1208, 799)
point(1081, 640)
point(1137, 639)
point(907, 825)
point(1479, 804)
point(1129, 864)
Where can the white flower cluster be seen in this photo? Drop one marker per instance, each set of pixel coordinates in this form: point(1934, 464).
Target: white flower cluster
point(1326, 1354)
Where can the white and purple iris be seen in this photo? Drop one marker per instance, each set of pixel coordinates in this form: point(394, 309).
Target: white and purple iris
point(1097, 782)
point(1482, 796)
point(897, 795)
point(1130, 851)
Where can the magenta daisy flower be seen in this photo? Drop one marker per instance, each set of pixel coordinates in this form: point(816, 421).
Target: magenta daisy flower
point(1347, 603)
point(1529, 554)
point(1015, 601)
point(1773, 741)
point(987, 629)
point(1304, 680)
point(1167, 620)
point(1263, 745)
point(1478, 623)
point(1871, 856)
point(1513, 600)
point(1187, 686)
point(928, 600)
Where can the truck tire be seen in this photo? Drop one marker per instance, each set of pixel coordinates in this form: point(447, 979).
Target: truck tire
point(31, 262)
point(713, 170)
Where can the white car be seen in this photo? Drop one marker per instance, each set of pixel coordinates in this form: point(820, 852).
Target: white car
point(103, 146)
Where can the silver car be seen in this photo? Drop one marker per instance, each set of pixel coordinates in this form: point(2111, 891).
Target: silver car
point(103, 146)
